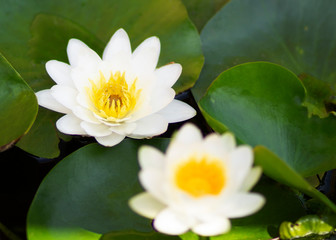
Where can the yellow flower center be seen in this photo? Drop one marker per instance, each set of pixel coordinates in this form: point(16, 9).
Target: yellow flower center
point(113, 99)
point(199, 177)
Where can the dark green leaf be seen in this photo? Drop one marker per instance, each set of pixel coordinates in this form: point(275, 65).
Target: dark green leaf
point(317, 96)
point(299, 35)
point(275, 168)
point(18, 105)
point(262, 104)
point(89, 191)
point(201, 11)
point(131, 235)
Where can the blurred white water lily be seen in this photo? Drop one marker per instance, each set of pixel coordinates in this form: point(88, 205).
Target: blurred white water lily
point(198, 185)
point(122, 94)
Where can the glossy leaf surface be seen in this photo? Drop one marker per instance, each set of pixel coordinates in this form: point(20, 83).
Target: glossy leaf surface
point(262, 104)
point(18, 105)
point(88, 192)
point(299, 35)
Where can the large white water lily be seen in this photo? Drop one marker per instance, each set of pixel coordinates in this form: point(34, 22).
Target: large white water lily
point(121, 94)
point(198, 185)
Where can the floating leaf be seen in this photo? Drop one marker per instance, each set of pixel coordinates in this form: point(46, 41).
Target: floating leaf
point(89, 190)
point(262, 104)
point(275, 168)
point(299, 35)
point(130, 235)
point(201, 11)
point(18, 105)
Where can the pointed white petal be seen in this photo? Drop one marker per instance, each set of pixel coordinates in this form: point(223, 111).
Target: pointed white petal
point(150, 157)
point(70, 124)
point(146, 56)
point(252, 178)
point(118, 47)
point(229, 141)
point(110, 140)
point(240, 165)
point(45, 99)
point(160, 98)
point(188, 134)
point(215, 146)
point(171, 223)
point(149, 126)
point(152, 180)
point(168, 74)
point(96, 130)
point(60, 72)
point(80, 54)
point(177, 111)
point(146, 205)
point(216, 226)
point(65, 95)
point(242, 204)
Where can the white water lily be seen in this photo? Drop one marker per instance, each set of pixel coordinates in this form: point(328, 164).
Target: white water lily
point(198, 185)
point(121, 94)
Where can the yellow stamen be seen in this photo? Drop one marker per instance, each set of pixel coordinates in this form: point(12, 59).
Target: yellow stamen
point(199, 177)
point(113, 99)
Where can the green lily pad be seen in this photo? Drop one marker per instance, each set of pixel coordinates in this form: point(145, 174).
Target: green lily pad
point(39, 31)
point(201, 11)
point(18, 105)
point(89, 190)
point(299, 35)
point(275, 168)
point(131, 235)
point(262, 104)
point(317, 96)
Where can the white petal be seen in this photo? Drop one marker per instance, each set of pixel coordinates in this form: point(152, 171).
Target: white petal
point(80, 54)
point(65, 95)
point(118, 47)
point(216, 226)
point(81, 80)
point(215, 146)
point(146, 56)
point(146, 205)
point(240, 165)
point(70, 124)
point(149, 126)
point(171, 223)
point(252, 178)
point(242, 204)
point(60, 72)
point(151, 180)
point(85, 114)
point(45, 99)
point(160, 98)
point(229, 141)
point(96, 130)
point(150, 157)
point(168, 74)
point(188, 134)
point(110, 140)
point(177, 111)
point(123, 128)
